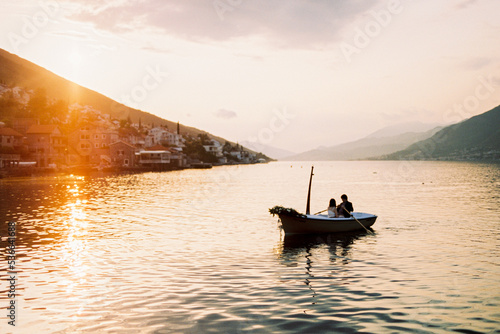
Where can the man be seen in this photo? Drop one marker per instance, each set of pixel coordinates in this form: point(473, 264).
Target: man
point(345, 207)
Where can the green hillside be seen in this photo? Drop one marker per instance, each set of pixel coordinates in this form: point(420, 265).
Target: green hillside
point(477, 138)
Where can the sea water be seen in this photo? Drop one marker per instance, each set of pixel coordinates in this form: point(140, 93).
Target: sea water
point(196, 251)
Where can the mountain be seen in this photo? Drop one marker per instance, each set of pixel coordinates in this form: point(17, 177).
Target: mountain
point(477, 138)
point(370, 146)
point(401, 128)
point(16, 71)
point(270, 151)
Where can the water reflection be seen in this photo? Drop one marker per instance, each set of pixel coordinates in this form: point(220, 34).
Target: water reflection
point(338, 244)
point(325, 259)
point(157, 253)
point(51, 236)
point(46, 211)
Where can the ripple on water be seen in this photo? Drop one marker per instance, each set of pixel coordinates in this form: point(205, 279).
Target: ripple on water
point(191, 252)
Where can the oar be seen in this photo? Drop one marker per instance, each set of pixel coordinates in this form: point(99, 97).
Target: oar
point(320, 211)
point(367, 230)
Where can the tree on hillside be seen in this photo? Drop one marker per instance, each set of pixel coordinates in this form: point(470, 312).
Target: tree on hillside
point(37, 104)
point(204, 139)
point(227, 147)
point(58, 110)
point(195, 150)
point(124, 123)
point(75, 117)
point(10, 107)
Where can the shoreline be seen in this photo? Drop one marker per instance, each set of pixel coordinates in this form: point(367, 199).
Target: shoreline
point(23, 172)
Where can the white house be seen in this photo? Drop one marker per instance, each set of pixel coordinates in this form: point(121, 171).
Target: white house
point(161, 136)
point(215, 148)
point(153, 158)
point(243, 156)
point(155, 136)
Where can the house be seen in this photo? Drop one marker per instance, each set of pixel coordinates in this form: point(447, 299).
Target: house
point(243, 156)
point(91, 142)
point(157, 158)
point(122, 154)
point(132, 136)
point(236, 154)
point(177, 158)
point(215, 148)
point(22, 125)
point(161, 136)
point(156, 136)
point(10, 138)
point(10, 142)
point(175, 139)
point(8, 160)
point(46, 145)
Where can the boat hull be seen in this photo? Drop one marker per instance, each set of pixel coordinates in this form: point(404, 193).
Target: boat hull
point(308, 224)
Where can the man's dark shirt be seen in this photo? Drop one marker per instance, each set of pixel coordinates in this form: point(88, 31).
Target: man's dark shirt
point(348, 206)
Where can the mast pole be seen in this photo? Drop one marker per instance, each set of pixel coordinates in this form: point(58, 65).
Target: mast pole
point(308, 205)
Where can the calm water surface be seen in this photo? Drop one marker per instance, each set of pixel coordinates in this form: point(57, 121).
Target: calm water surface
point(196, 251)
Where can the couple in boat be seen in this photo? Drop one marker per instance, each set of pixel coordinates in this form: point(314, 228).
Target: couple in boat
point(342, 210)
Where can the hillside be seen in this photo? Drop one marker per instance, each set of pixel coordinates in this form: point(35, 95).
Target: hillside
point(401, 128)
point(16, 71)
point(477, 138)
point(364, 148)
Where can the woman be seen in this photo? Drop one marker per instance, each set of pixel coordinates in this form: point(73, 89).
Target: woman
point(332, 209)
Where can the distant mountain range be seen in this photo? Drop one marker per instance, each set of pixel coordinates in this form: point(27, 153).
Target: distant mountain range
point(381, 142)
point(477, 138)
point(270, 151)
point(16, 71)
point(402, 128)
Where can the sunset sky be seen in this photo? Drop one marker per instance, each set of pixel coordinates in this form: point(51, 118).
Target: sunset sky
point(292, 74)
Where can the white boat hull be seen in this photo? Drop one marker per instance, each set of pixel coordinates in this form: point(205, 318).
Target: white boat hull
point(307, 224)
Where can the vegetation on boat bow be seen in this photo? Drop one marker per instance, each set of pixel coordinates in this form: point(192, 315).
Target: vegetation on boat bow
point(280, 210)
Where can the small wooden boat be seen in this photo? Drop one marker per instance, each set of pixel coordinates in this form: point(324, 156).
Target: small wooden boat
point(304, 224)
point(294, 222)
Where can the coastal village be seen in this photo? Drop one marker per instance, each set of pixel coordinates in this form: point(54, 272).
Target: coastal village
point(82, 138)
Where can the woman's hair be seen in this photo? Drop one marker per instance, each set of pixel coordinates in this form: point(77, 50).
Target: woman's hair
point(332, 202)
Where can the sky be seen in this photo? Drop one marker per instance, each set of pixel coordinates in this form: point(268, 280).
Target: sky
point(293, 74)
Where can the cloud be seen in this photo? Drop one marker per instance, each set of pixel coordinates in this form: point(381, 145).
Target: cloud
point(225, 114)
point(293, 23)
point(464, 4)
point(477, 63)
point(157, 49)
point(72, 34)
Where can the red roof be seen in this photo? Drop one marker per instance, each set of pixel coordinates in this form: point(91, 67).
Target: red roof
point(9, 132)
point(46, 128)
point(157, 148)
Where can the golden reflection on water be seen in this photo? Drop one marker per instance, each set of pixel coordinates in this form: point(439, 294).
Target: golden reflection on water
point(74, 246)
point(158, 250)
